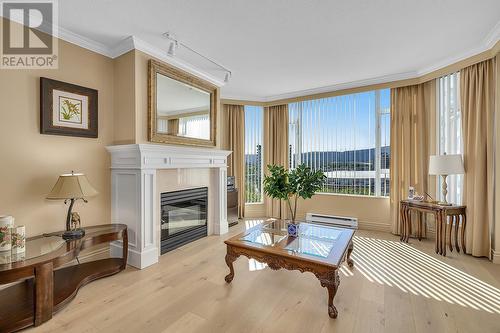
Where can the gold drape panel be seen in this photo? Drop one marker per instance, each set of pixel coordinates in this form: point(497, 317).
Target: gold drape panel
point(410, 115)
point(275, 151)
point(233, 138)
point(477, 104)
point(173, 126)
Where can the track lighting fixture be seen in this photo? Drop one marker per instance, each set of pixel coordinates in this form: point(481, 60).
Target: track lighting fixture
point(175, 43)
point(172, 48)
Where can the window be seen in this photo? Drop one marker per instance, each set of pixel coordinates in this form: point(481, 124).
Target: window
point(254, 116)
point(347, 137)
point(449, 120)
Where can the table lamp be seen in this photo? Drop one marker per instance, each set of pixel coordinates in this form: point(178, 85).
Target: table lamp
point(71, 187)
point(445, 165)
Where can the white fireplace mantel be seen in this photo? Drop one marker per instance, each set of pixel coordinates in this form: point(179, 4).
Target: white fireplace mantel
point(134, 197)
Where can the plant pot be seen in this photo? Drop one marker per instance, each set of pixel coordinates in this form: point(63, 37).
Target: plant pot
point(292, 228)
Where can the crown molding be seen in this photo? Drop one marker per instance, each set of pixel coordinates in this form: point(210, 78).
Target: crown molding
point(124, 46)
point(342, 86)
point(493, 36)
point(133, 43)
point(490, 42)
point(84, 42)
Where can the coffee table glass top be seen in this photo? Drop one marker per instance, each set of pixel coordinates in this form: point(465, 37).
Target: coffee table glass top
point(313, 240)
point(264, 237)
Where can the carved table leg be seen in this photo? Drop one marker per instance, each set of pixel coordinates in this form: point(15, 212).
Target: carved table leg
point(408, 224)
point(331, 282)
point(462, 233)
point(452, 222)
point(402, 222)
point(350, 262)
point(437, 216)
point(231, 256)
point(444, 221)
point(457, 224)
point(419, 227)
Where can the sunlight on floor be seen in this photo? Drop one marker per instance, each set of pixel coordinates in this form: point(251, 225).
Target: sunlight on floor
point(254, 265)
point(401, 266)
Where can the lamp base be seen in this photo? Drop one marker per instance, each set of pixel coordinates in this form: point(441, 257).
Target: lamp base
point(73, 234)
point(444, 203)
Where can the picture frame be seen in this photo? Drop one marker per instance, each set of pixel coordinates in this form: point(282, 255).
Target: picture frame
point(68, 109)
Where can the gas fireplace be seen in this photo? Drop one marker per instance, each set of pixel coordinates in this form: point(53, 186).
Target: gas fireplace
point(183, 217)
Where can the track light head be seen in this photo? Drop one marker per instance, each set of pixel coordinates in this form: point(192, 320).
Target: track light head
point(227, 77)
point(172, 48)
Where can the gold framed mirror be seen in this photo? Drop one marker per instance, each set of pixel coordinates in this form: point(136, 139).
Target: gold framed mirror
point(182, 108)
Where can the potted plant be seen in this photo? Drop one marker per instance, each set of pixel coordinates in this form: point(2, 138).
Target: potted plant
point(290, 185)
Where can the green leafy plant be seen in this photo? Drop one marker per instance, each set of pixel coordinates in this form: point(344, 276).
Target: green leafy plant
point(69, 110)
point(290, 185)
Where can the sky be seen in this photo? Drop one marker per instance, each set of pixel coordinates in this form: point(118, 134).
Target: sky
point(330, 124)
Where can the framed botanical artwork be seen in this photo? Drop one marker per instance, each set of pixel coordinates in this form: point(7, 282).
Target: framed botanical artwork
point(67, 109)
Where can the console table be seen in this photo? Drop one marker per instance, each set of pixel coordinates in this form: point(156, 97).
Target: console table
point(45, 282)
point(444, 226)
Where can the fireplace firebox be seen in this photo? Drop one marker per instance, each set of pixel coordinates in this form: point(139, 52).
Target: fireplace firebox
point(183, 217)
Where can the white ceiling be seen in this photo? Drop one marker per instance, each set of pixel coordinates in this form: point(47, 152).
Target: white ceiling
point(282, 48)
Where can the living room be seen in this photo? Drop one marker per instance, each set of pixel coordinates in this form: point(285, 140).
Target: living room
point(229, 166)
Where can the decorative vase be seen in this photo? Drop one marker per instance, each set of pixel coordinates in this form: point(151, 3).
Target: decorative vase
point(292, 228)
point(6, 222)
point(18, 239)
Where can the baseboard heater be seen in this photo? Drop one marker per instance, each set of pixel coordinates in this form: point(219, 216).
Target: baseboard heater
point(334, 221)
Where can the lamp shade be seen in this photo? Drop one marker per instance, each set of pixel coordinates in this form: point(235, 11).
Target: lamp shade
point(446, 165)
point(72, 186)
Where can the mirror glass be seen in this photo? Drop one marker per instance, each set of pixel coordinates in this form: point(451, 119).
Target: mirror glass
point(181, 110)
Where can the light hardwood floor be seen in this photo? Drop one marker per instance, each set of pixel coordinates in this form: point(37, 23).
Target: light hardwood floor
point(393, 287)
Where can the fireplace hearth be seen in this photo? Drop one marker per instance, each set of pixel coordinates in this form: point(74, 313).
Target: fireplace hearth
point(183, 217)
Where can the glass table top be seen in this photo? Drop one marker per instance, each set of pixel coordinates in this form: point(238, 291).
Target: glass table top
point(313, 240)
point(264, 237)
point(34, 248)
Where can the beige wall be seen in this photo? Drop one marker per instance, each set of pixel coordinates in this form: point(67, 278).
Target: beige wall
point(124, 99)
point(372, 212)
point(31, 162)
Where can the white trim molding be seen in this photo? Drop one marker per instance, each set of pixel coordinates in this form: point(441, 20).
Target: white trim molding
point(133, 42)
point(495, 256)
point(134, 198)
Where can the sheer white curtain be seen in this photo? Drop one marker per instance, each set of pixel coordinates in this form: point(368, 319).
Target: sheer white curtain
point(450, 131)
point(254, 135)
point(195, 126)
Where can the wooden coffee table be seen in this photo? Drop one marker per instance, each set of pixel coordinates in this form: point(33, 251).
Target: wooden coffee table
point(318, 249)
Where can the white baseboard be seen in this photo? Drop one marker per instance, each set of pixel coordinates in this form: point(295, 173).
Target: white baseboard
point(137, 259)
point(495, 256)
